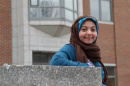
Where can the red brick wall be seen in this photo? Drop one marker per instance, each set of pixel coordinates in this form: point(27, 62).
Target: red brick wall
point(114, 39)
point(5, 32)
point(122, 32)
point(86, 7)
point(106, 43)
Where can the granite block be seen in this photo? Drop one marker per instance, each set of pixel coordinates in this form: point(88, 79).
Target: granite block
point(45, 75)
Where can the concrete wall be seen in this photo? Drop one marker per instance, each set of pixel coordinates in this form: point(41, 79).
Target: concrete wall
point(49, 76)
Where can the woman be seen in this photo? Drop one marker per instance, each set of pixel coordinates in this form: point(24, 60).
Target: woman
point(82, 50)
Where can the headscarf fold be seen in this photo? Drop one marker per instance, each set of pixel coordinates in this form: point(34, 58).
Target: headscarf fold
point(86, 51)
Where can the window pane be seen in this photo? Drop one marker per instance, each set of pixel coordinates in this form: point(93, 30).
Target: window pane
point(105, 8)
point(49, 3)
point(110, 71)
point(68, 15)
point(34, 13)
point(50, 12)
point(34, 2)
point(40, 58)
point(62, 13)
point(69, 4)
point(94, 7)
point(75, 5)
point(111, 82)
point(50, 56)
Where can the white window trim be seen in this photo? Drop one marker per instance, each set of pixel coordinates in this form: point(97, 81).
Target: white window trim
point(104, 22)
point(110, 64)
point(66, 23)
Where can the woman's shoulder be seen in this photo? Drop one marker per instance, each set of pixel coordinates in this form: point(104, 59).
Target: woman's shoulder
point(68, 47)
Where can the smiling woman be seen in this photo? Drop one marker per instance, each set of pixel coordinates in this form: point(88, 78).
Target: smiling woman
point(82, 49)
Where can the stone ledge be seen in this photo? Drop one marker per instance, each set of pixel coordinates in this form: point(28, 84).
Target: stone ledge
point(44, 75)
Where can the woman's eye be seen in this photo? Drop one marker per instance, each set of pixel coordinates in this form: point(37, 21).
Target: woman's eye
point(83, 29)
point(93, 29)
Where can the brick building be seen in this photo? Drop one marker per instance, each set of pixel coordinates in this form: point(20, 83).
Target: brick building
point(5, 32)
point(33, 29)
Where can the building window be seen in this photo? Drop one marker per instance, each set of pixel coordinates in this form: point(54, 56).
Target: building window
point(111, 76)
point(34, 2)
point(53, 9)
point(101, 9)
point(41, 58)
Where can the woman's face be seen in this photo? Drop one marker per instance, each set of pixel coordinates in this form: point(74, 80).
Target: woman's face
point(88, 32)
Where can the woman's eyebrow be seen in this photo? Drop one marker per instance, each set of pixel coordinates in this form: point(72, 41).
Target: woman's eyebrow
point(86, 26)
point(93, 26)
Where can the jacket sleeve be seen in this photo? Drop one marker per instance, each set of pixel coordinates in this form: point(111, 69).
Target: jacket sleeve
point(66, 57)
point(103, 85)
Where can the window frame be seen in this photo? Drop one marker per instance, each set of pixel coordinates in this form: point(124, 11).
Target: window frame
point(45, 53)
point(113, 66)
point(34, 5)
point(61, 8)
point(100, 11)
point(71, 10)
point(42, 18)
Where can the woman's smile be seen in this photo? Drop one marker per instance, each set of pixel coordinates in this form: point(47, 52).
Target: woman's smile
point(88, 38)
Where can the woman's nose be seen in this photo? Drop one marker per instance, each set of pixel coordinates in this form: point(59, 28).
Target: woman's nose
point(89, 32)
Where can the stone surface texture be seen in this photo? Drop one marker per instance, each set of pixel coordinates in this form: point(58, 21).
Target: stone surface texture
point(41, 75)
